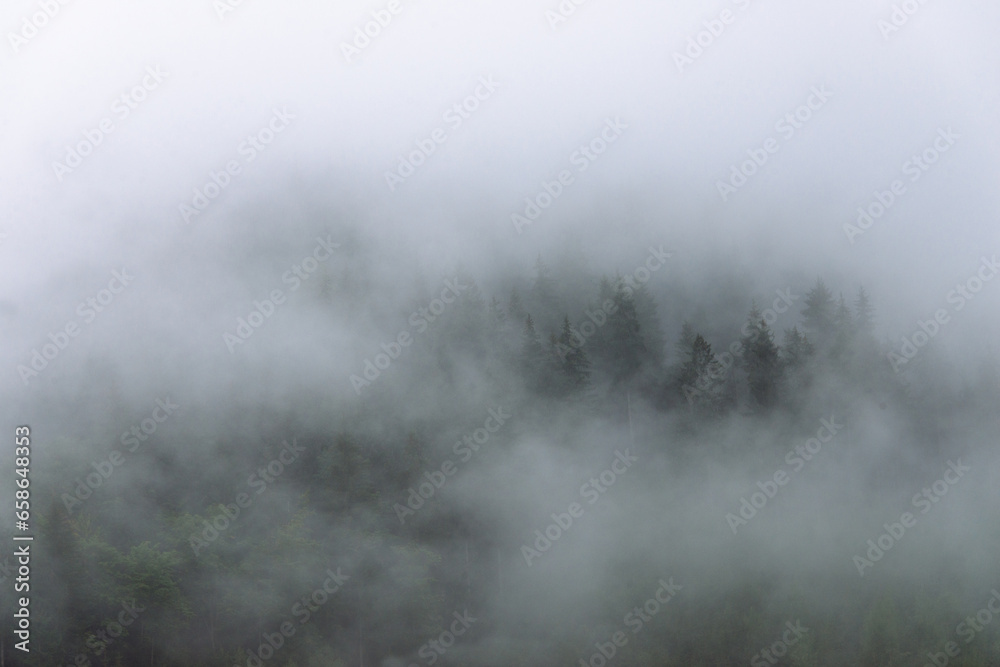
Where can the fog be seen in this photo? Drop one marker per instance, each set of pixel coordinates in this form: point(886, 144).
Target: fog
point(266, 287)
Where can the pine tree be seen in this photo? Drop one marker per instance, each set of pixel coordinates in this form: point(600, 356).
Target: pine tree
point(864, 313)
point(574, 364)
point(626, 348)
point(843, 328)
point(534, 360)
point(701, 379)
point(515, 309)
point(868, 361)
point(796, 353)
point(761, 361)
point(818, 313)
point(796, 349)
point(673, 387)
point(606, 290)
point(649, 325)
point(686, 340)
point(599, 338)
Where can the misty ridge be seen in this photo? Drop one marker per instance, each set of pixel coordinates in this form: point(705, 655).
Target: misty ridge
point(542, 332)
point(567, 467)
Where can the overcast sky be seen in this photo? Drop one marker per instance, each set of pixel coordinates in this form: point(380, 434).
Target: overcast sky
point(887, 94)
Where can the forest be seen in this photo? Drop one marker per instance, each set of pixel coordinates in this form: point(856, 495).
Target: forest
point(530, 333)
point(553, 473)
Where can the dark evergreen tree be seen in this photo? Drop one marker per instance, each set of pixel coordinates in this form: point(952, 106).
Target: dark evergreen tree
point(649, 324)
point(796, 349)
point(672, 393)
point(701, 381)
point(842, 346)
point(864, 313)
point(598, 338)
point(685, 341)
point(535, 362)
point(761, 361)
point(868, 360)
point(605, 290)
point(818, 314)
point(574, 363)
point(625, 347)
point(796, 355)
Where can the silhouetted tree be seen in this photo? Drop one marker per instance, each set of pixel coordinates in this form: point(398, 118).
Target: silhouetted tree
point(864, 313)
point(760, 360)
point(702, 379)
point(649, 324)
point(818, 313)
point(843, 332)
point(625, 347)
point(574, 364)
point(535, 364)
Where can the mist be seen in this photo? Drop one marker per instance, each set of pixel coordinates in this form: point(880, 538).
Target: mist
point(539, 333)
